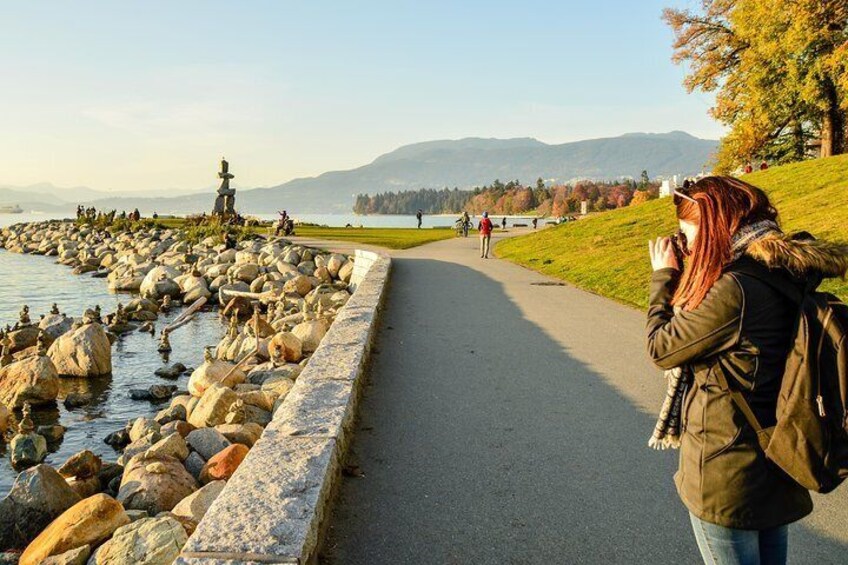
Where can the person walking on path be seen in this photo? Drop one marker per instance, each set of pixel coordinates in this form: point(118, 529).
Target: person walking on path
point(418, 215)
point(485, 228)
point(503, 223)
point(722, 325)
point(535, 222)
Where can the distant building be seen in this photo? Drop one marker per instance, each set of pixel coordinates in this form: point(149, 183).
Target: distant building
point(668, 185)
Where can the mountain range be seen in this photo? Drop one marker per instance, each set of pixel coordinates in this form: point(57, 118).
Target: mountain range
point(462, 163)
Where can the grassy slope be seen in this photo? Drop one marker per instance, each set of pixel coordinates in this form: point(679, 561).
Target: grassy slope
point(608, 254)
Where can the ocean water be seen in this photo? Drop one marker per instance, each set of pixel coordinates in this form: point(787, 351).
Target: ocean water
point(38, 282)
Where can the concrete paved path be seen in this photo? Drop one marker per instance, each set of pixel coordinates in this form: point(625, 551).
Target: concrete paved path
point(506, 421)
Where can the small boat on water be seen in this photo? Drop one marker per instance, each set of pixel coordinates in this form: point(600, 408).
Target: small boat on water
point(11, 209)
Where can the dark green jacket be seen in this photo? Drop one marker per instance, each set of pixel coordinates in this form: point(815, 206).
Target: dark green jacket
point(743, 329)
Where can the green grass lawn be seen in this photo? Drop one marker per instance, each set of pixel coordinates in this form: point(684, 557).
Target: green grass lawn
point(608, 253)
point(392, 238)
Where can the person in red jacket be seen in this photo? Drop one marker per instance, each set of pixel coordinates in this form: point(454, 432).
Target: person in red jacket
point(485, 227)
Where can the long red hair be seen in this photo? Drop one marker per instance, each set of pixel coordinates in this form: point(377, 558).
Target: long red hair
point(722, 205)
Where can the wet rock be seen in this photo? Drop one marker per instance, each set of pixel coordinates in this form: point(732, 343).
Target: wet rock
point(81, 465)
point(148, 541)
point(195, 505)
point(207, 442)
point(52, 433)
point(213, 406)
point(77, 399)
point(4, 419)
point(118, 439)
point(108, 471)
point(38, 496)
point(88, 522)
point(155, 483)
point(28, 449)
point(84, 352)
point(310, 334)
point(32, 380)
point(155, 393)
point(222, 465)
point(171, 372)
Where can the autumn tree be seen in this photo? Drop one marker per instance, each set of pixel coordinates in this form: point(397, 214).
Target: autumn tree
point(778, 68)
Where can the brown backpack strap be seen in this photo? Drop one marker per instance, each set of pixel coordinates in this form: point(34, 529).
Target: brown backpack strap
point(763, 435)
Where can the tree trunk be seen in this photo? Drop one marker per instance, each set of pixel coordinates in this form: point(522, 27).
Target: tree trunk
point(833, 124)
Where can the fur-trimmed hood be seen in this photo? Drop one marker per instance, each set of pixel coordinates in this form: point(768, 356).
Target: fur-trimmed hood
point(801, 255)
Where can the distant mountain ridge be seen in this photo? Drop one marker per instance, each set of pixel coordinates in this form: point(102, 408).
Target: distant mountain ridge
point(462, 163)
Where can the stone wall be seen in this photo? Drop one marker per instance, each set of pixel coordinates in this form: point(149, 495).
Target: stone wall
point(273, 508)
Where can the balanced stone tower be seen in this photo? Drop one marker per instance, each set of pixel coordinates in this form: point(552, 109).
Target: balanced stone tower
point(225, 203)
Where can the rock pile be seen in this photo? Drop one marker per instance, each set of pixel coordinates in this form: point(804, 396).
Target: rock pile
point(279, 300)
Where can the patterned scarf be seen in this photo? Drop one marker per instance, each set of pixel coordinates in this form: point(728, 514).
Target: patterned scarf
point(667, 431)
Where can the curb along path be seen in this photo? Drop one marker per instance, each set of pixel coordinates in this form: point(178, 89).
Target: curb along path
point(506, 421)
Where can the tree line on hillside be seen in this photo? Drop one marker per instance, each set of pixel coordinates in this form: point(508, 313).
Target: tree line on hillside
point(779, 69)
point(512, 198)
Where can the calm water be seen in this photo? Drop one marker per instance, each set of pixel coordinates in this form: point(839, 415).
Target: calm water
point(39, 281)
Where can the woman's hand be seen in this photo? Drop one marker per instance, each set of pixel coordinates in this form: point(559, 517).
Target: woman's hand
point(662, 254)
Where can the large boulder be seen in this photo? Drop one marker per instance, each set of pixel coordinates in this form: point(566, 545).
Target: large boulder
point(85, 352)
point(81, 465)
point(23, 338)
point(28, 449)
point(213, 407)
point(39, 496)
point(33, 379)
point(285, 347)
point(222, 465)
point(88, 522)
point(159, 282)
point(195, 505)
point(299, 284)
point(155, 483)
point(149, 541)
point(206, 442)
point(214, 371)
point(310, 334)
point(55, 325)
point(173, 445)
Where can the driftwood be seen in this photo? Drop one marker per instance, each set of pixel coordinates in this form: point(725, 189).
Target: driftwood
point(179, 320)
point(243, 360)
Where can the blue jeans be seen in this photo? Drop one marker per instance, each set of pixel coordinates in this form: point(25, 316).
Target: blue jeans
point(728, 546)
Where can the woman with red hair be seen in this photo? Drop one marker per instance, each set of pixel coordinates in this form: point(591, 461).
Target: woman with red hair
point(720, 324)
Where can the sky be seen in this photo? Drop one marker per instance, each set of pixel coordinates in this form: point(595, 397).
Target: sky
point(148, 96)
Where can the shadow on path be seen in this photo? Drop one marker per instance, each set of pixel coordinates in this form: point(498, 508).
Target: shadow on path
point(482, 441)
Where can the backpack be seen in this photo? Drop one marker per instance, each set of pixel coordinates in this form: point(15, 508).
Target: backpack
point(810, 441)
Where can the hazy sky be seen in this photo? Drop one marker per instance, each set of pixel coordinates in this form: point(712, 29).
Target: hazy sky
point(149, 95)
